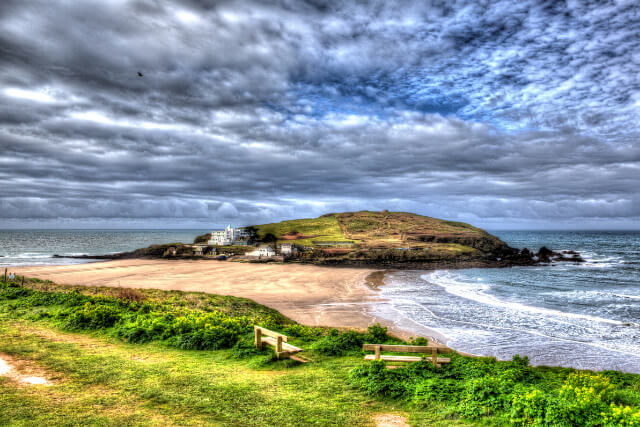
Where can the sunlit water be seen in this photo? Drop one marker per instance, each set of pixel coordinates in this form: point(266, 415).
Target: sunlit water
point(584, 316)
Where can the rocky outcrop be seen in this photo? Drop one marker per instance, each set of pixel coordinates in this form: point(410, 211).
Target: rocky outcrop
point(512, 256)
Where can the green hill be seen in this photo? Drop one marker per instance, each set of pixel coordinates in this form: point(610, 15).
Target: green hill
point(383, 236)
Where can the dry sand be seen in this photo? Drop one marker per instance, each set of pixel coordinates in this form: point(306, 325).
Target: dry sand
point(309, 294)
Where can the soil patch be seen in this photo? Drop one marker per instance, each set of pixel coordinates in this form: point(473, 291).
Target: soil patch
point(390, 420)
point(23, 371)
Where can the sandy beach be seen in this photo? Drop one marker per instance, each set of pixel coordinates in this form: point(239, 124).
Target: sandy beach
point(309, 294)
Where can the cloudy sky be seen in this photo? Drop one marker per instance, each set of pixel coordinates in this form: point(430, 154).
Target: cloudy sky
point(505, 114)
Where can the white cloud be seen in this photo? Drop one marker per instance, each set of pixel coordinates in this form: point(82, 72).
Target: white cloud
point(30, 95)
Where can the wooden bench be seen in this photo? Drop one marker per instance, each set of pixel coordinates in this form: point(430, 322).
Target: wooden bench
point(279, 341)
point(428, 349)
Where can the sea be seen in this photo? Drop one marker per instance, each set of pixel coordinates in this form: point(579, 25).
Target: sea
point(585, 316)
point(36, 247)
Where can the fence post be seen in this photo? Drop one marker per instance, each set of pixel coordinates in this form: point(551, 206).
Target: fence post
point(5, 275)
point(377, 352)
point(434, 356)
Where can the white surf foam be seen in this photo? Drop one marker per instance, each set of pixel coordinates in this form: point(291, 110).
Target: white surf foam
point(593, 259)
point(636, 297)
point(470, 332)
point(474, 292)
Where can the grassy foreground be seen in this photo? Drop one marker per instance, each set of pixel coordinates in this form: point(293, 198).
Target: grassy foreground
point(123, 357)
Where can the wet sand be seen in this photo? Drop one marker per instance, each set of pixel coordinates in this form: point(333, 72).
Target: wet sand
point(309, 294)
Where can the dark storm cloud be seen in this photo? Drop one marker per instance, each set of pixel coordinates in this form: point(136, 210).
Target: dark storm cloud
point(251, 112)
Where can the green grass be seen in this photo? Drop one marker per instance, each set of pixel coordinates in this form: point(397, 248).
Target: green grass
point(98, 378)
point(104, 381)
point(325, 228)
point(375, 230)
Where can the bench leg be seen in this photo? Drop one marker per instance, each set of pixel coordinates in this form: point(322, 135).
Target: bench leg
point(278, 346)
point(258, 338)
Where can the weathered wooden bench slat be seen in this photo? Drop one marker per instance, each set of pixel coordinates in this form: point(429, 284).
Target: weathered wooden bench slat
point(406, 348)
point(265, 331)
point(405, 358)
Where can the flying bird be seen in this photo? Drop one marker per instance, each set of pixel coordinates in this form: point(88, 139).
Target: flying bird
point(140, 74)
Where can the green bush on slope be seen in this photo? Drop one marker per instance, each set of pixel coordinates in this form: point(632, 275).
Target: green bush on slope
point(141, 321)
point(513, 392)
point(134, 321)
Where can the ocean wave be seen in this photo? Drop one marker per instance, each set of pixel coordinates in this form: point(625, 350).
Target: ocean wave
point(590, 295)
point(593, 259)
point(471, 291)
point(470, 332)
point(636, 297)
point(28, 255)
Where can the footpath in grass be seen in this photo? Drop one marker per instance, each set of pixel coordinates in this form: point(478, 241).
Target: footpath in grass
point(125, 357)
point(100, 380)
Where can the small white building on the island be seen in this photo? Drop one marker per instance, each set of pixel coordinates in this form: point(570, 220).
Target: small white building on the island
point(198, 250)
point(288, 249)
point(228, 236)
point(262, 251)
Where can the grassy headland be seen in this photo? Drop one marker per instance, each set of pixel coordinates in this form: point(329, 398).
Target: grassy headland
point(380, 239)
point(121, 357)
point(382, 230)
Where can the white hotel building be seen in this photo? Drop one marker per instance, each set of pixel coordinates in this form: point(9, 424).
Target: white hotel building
point(228, 235)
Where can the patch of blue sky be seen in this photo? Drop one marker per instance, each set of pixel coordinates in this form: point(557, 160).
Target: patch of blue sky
point(385, 99)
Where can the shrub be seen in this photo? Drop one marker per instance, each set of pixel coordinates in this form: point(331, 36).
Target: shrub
point(92, 316)
point(244, 348)
point(464, 368)
point(376, 334)
point(375, 379)
point(189, 330)
point(208, 338)
point(529, 407)
point(338, 344)
point(436, 389)
point(11, 291)
point(130, 295)
point(302, 331)
point(420, 341)
point(147, 327)
point(581, 401)
point(483, 396)
point(518, 371)
point(621, 416)
point(68, 299)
